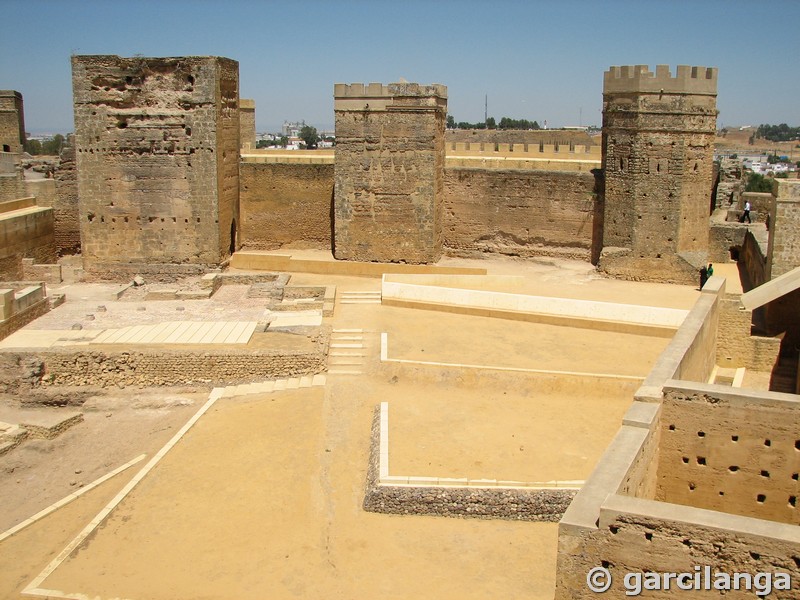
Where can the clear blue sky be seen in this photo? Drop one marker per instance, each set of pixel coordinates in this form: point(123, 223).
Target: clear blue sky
point(535, 60)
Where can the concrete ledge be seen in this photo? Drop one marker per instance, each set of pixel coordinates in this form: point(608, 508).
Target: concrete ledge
point(585, 313)
point(262, 261)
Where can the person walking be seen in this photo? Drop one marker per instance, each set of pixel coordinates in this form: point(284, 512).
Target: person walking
point(746, 213)
point(703, 277)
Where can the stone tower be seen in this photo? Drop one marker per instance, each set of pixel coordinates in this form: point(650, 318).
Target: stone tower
point(389, 172)
point(12, 122)
point(247, 123)
point(157, 154)
point(658, 153)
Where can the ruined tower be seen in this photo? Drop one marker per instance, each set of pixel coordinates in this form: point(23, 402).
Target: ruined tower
point(658, 153)
point(157, 153)
point(389, 172)
point(247, 124)
point(12, 122)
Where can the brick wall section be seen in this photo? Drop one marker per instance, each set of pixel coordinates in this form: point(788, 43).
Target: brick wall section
point(284, 204)
point(736, 347)
point(157, 142)
point(12, 186)
point(25, 233)
point(23, 317)
point(658, 154)
point(211, 366)
point(389, 172)
point(522, 213)
point(784, 251)
point(65, 205)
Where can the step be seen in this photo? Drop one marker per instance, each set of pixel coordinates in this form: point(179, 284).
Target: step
point(343, 372)
point(318, 379)
point(347, 345)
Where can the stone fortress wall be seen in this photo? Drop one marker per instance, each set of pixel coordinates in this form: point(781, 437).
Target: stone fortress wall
point(157, 144)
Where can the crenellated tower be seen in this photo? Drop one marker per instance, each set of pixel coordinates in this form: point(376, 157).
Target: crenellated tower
point(389, 173)
point(658, 153)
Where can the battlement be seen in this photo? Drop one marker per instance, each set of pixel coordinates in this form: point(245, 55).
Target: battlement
point(639, 78)
point(247, 104)
point(378, 97)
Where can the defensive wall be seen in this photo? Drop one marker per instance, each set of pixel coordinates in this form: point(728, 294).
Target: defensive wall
point(698, 474)
point(505, 199)
point(157, 142)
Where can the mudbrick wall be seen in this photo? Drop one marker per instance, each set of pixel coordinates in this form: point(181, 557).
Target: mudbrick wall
point(522, 213)
point(784, 247)
point(658, 152)
point(736, 347)
point(389, 172)
point(285, 203)
point(143, 368)
point(479, 503)
point(157, 143)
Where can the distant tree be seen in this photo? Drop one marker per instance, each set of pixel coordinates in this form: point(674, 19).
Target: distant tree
point(490, 123)
point(509, 123)
point(778, 133)
point(536, 125)
point(758, 183)
point(53, 146)
point(451, 122)
point(265, 143)
point(33, 147)
point(309, 136)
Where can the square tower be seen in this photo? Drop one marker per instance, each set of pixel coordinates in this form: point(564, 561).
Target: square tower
point(247, 123)
point(658, 155)
point(389, 172)
point(12, 122)
point(157, 154)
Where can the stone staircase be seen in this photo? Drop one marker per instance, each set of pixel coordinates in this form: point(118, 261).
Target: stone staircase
point(347, 352)
point(784, 375)
point(274, 385)
point(356, 297)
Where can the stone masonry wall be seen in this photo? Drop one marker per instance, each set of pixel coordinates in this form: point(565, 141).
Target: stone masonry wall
point(144, 368)
point(286, 204)
point(736, 347)
point(658, 140)
point(389, 172)
point(521, 213)
point(157, 158)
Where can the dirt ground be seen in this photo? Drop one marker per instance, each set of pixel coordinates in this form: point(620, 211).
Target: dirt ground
point(262, 497)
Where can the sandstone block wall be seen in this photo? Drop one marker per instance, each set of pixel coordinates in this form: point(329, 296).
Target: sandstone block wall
point(658, 140)
point(736, 347)
point(389, 172)
point(784, 247)
point(157, 143)
point(12, 122)
point(731, 452)
point(521, 213)
point(286, 204)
